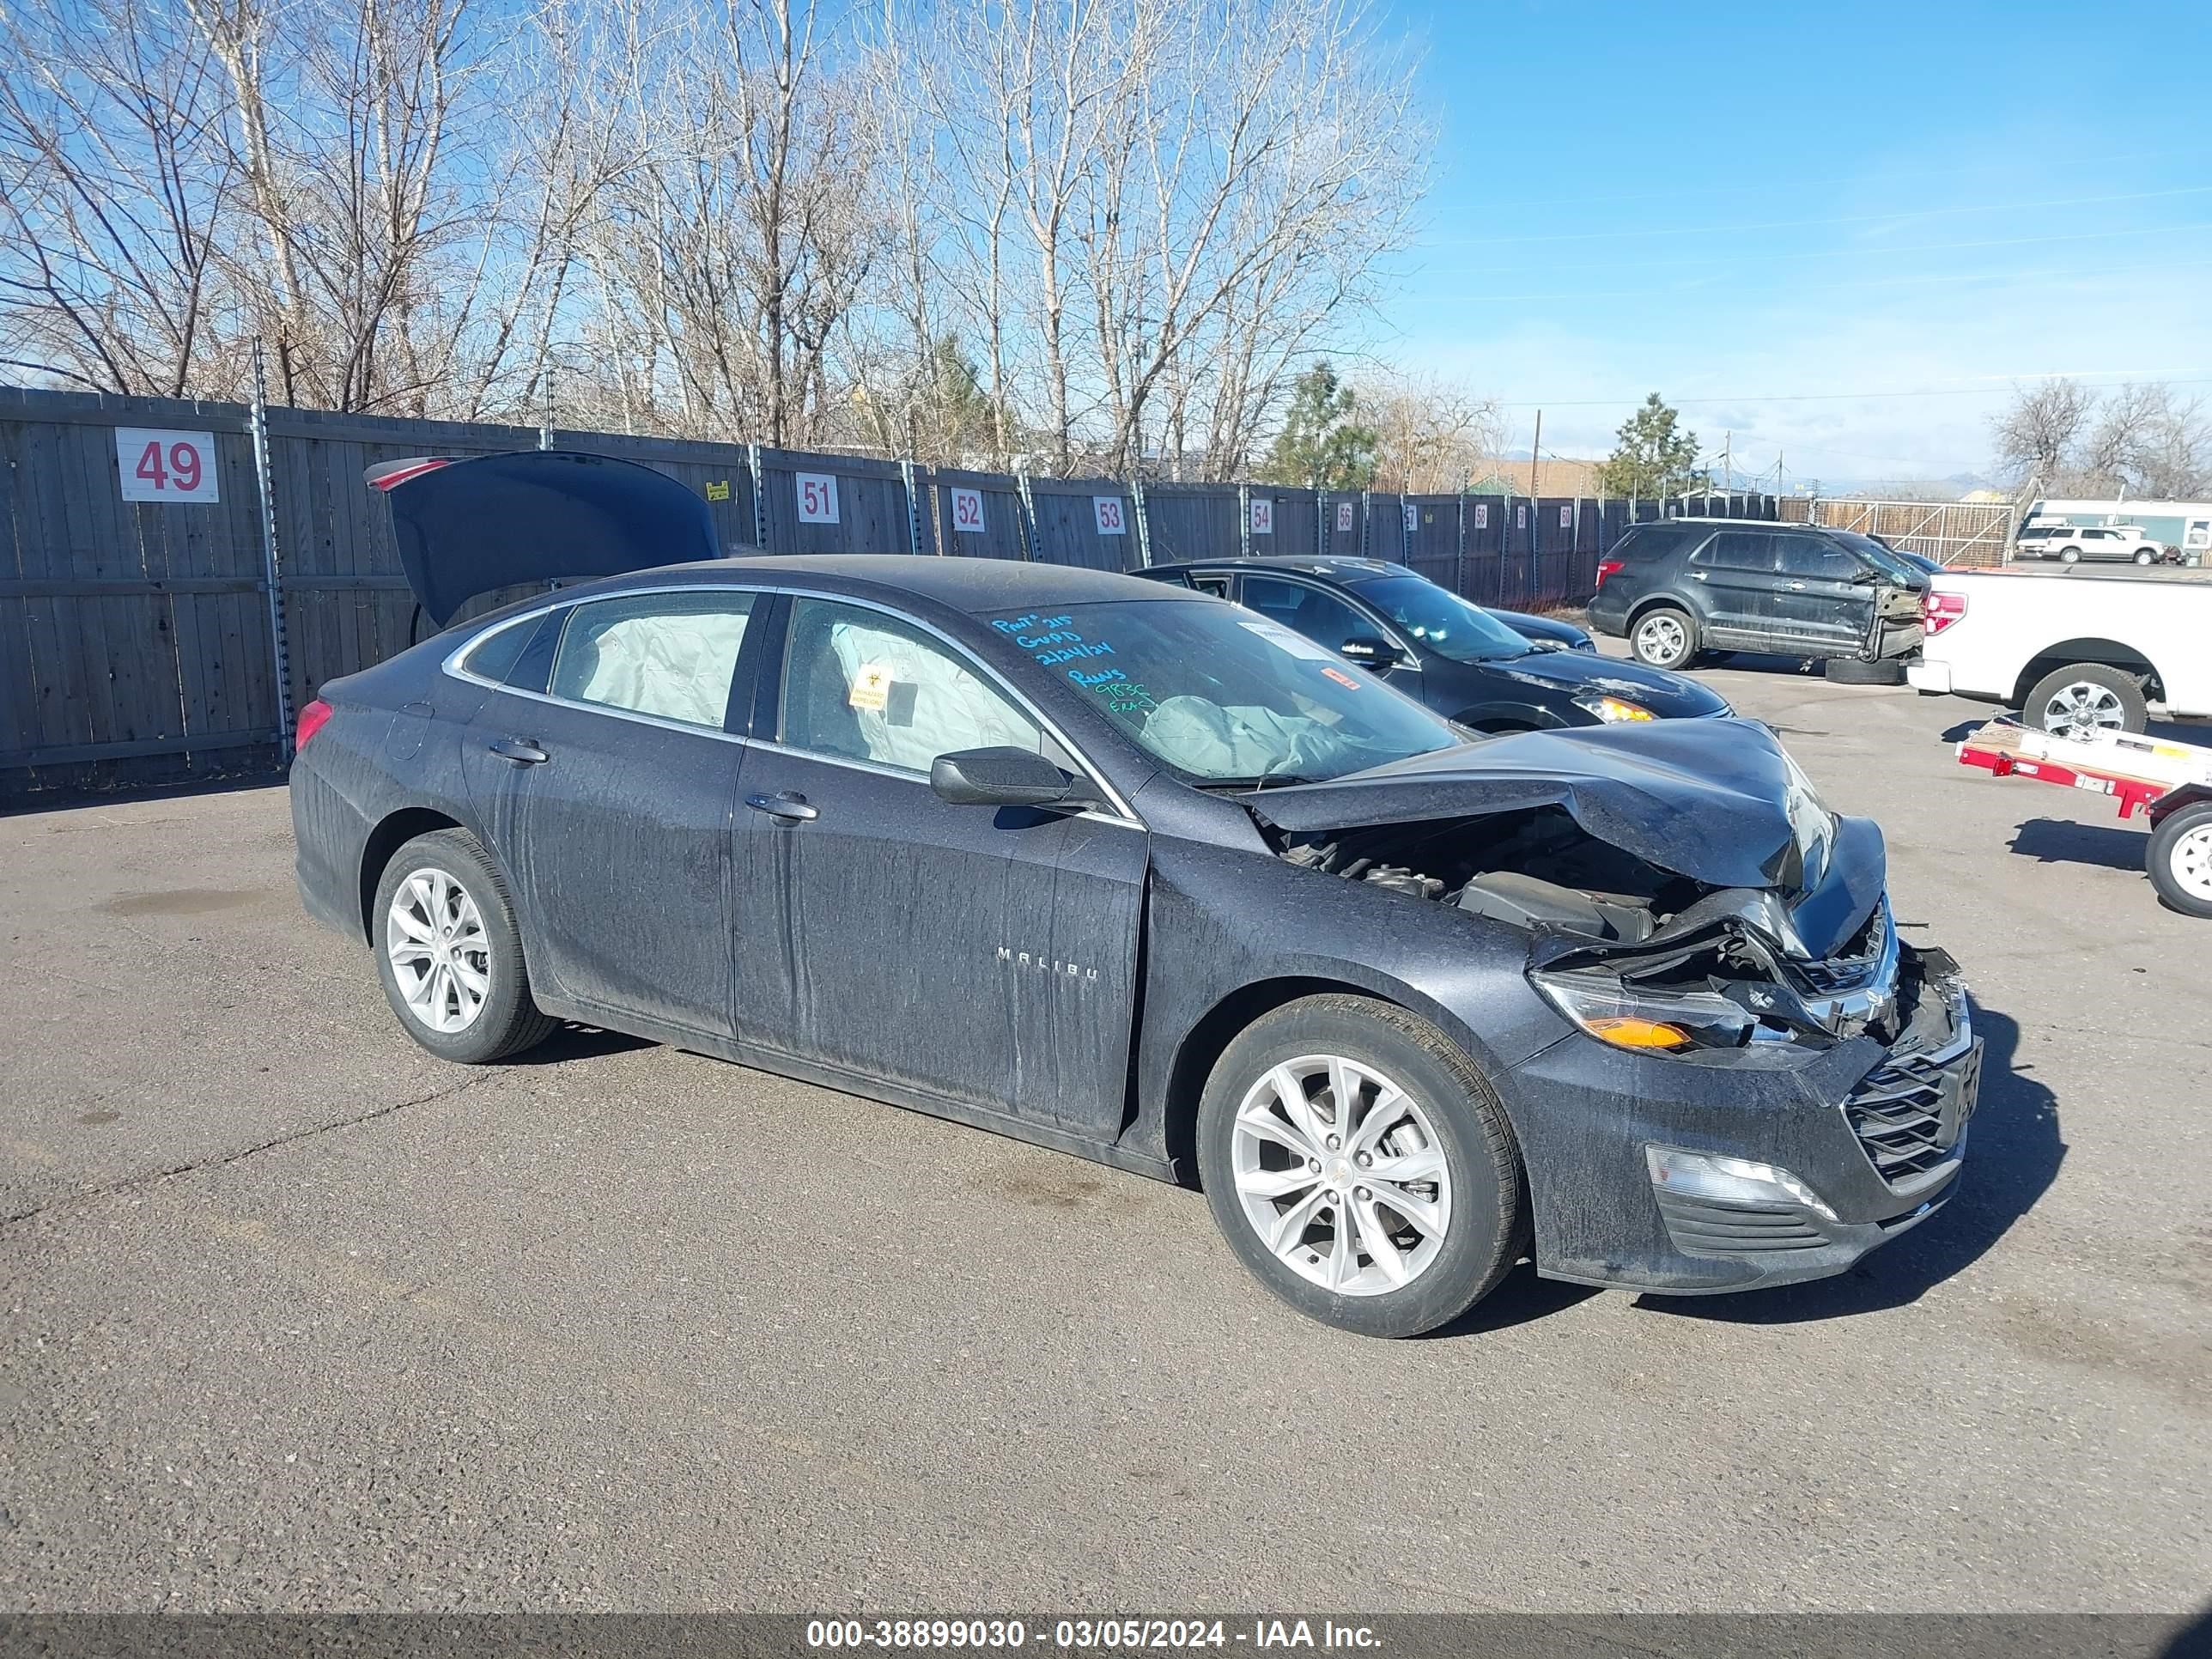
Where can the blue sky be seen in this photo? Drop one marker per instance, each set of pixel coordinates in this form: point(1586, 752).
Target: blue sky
point(1752, 209)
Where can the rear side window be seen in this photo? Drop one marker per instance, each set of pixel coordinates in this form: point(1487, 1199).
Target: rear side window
point(496, 653)
point(1648, 541)
point(1740, 549)
point(669, 655)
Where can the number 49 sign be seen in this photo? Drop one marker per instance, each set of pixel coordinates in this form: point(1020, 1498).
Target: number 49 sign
point(166, 466)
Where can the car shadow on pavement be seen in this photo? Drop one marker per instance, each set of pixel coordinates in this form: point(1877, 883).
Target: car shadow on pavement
point(2013, 1155)
point(575, 1041)
point(2061, 841)
point(1521, 1298)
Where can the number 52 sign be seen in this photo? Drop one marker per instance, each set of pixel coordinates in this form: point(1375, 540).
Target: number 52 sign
point(166, 466)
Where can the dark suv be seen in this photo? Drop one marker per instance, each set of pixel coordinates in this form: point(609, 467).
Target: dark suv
point(1684, 585)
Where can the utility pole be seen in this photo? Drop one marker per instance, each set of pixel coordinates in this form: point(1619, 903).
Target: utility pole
point(1536, 448)
point(1727, 462)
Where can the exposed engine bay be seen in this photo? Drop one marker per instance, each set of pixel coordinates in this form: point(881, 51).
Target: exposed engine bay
point(1620, 943)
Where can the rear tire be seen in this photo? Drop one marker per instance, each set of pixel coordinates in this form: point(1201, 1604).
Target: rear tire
point(2085, 696)
point(1416, 1104)
point(1665, 637)
point(2179, 859)
point(450, 955)
point(1853, 671)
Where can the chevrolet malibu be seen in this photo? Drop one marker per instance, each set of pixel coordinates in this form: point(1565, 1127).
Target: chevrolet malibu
point(1134, 873)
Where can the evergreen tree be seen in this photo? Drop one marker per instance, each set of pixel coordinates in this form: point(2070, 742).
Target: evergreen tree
point(1654, 456)
point(1320, 441)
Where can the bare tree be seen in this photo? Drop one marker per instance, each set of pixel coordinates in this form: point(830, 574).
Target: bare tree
point(112, 200)
point(1432, 436)
point(2036, 435)
point(2147, 442)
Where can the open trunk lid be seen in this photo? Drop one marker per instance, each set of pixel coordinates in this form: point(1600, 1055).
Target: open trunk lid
point(466, 527)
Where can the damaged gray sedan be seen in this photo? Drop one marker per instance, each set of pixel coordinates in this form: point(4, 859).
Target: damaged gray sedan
point(1132, 872)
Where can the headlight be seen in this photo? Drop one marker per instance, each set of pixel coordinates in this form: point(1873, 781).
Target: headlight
point(1631, 1017)
point(1611, 709)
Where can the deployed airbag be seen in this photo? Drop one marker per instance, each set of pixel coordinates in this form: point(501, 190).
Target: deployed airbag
point(677, 666)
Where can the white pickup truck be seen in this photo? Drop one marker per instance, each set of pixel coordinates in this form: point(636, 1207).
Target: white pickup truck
point(2074, 652)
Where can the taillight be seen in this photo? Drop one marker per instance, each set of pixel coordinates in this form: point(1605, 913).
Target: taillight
point(313, 719)
point(1609, 566)
point(1938, 611)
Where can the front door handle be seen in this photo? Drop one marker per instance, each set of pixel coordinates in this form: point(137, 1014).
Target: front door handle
point(1796, 587)
point(521, 751)
point(1696, 575)
point(787, 808)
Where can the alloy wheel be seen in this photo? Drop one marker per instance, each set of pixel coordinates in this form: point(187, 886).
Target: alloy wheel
point(440, 955)
point(1661, 639)
point(1341, 1174)
point(2080, 708)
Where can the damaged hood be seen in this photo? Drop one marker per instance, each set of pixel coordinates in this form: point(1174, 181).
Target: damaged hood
point(1714, 800)
point(472, 526)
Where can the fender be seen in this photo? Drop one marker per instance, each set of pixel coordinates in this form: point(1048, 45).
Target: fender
point(2173, 801)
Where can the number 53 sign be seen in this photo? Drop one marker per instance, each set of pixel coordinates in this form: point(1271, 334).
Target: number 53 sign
point(166, 466)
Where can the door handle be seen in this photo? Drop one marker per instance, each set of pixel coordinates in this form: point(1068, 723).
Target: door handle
point(521, 751)
point(1696, 575)
point(787, 807)
point(1796, 587)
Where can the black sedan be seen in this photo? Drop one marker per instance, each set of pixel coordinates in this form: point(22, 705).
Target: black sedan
point(1442, 650)
point(1131, 872)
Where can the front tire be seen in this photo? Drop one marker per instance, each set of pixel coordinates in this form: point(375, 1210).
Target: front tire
point(450, 955)
point(2179, 859)
point(2069, 556)
point(1664, 636)
point(2086, 697)
point(1360, 1166)
point(2144, 556)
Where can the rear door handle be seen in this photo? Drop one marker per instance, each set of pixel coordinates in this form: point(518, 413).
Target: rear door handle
point(521, 751)
point(1796, 587)
point(1696, 575)
point(787, 807)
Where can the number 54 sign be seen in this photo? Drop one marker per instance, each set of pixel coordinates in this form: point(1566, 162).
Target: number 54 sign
point(166, 466)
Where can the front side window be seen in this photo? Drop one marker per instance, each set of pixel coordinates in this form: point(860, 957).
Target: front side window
point(1441, 620)
point(1806, 557)
point(861, 686)
point(669, 655)
point(1321, 616)
point(1225, 696)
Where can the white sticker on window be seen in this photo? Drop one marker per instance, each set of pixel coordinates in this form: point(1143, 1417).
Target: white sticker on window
point(1296, 644)
point(871, 687)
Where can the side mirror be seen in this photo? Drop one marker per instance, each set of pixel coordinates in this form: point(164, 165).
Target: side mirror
point(1003, 777)
point(1368, 651)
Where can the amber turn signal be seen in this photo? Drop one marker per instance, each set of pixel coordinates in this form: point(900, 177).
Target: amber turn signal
point(1626, 1031)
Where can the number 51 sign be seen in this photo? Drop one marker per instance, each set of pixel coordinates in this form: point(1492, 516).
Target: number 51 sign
point(166, 466)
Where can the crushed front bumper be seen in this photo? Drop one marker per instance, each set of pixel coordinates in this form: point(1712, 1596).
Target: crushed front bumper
point(1872, 1136)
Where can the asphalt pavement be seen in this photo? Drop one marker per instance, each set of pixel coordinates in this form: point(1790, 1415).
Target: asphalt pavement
point(300, 1317)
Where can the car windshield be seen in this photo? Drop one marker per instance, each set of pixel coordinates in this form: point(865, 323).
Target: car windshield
point(1441, 620)
point(1224, 695)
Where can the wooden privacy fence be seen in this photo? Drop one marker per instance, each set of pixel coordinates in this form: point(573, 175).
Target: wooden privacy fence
point(180, 577)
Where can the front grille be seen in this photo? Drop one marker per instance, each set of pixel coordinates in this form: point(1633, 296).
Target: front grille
point(1705, 1226)
point(1898, 1112)
point(1851, 968)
